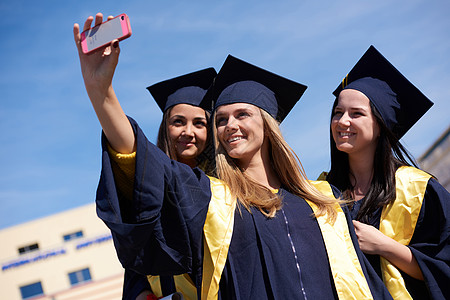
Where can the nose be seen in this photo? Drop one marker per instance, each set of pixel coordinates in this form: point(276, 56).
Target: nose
point(188, 130)
point(344, 120)
point(231, 125)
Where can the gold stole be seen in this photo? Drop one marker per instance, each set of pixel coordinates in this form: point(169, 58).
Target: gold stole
point(347, 273)
point(217, 231)
point(399, 219)
point(183, 284)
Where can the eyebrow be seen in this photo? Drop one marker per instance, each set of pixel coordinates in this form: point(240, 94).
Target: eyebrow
point(184, 117)
point(354, 108)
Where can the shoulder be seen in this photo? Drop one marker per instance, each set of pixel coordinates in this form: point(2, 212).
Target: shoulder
point(326, 188)
point(411, 174)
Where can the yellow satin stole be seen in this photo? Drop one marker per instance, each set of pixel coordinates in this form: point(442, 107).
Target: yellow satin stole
point(399, 219)
point(183, 284)
point(347, 273)
point(217, 231)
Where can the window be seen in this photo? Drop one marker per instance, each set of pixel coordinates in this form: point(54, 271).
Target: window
point(72, 236)
point(79, 276)
point(29, 248)
point(31, 290)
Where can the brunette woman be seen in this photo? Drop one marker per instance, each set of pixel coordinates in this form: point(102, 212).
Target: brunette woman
point(184, 136)
point(401, 213)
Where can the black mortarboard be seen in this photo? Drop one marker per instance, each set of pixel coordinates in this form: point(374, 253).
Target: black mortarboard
point(185, 89)
point(398, 101)
point(239, 81)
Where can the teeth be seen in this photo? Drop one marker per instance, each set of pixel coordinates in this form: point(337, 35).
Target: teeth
point(234, 139)
point(345, 134)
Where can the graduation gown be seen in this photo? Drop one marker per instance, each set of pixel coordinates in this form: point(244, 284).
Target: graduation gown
point(160, 232)
point(430, 235)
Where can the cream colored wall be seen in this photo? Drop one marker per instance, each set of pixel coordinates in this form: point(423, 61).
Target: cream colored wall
point(48, 232)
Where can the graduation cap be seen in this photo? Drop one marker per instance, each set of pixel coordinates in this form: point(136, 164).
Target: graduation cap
point(398, 101)
point(239, 81)
point(185, 89)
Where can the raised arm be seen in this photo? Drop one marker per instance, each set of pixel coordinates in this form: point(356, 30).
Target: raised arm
point(98, 71)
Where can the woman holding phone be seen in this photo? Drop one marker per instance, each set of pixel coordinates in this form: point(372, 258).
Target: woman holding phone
point(401, 213)
point(184, 136)
point(260, 230)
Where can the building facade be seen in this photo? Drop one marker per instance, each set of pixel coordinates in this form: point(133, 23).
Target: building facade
point(66, 256)
point(436, 160)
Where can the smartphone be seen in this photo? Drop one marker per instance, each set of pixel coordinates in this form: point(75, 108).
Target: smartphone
point(102, 34)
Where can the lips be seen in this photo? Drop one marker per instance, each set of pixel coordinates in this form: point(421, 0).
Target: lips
point(186, 143)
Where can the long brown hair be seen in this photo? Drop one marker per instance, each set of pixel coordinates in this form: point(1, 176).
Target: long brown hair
point(390, 154)
point(286, 165)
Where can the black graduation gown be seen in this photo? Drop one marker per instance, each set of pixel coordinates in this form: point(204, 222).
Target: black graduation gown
point(429, 244)
point(279, 258)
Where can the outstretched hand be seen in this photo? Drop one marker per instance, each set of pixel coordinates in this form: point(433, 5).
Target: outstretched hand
point(98, 67)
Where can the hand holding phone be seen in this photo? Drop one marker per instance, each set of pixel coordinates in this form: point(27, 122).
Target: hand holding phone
point(103, 34)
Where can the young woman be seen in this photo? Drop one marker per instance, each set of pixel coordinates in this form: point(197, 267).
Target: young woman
point(401, 213)
point(261, 231)
point(183, 136)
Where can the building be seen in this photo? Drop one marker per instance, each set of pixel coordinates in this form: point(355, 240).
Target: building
point(66, 256)
point(436, 160)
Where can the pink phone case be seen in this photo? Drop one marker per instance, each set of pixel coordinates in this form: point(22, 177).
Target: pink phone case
point(103, 37)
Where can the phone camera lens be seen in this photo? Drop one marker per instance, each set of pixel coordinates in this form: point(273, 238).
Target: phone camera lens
point(122, 17)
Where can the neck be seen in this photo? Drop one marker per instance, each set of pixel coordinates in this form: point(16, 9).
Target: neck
point(260, 169)
point(190, 162)
point(361, 167)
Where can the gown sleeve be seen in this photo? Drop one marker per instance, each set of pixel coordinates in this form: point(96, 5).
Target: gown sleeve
point(159, 230)
point(430, 242)
point(134, 284)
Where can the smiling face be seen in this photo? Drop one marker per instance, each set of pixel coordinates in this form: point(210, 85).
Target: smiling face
point(240, 130)
point(353, 125)
point(187, 127)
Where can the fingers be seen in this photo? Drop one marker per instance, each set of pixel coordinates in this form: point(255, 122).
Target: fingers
point(98, 19)
point(115, 50)
point(76, 32)
point(76, 36)
point(88, 23)
point(110, 17)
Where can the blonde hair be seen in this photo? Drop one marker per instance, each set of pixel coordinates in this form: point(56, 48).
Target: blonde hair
point(286, 165)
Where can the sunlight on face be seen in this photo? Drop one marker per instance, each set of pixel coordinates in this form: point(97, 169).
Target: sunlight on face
point(353, 124)
point(240, 129)
point(188, 131)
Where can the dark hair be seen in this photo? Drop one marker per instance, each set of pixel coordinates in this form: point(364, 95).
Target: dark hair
point(205, 160)
point(390, 154)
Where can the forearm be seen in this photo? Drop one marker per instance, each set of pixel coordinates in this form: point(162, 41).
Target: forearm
point(401, 257)
point(113, 120)
point(372, 241)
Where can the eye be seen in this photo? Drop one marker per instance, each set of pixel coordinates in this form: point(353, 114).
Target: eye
point(200, 123)
point(337, 113)
point(221, 121)
point(177, 122)
point(242, 114)
point(358, 114)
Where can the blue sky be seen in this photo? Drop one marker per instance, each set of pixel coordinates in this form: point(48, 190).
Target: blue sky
point(50, 137)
